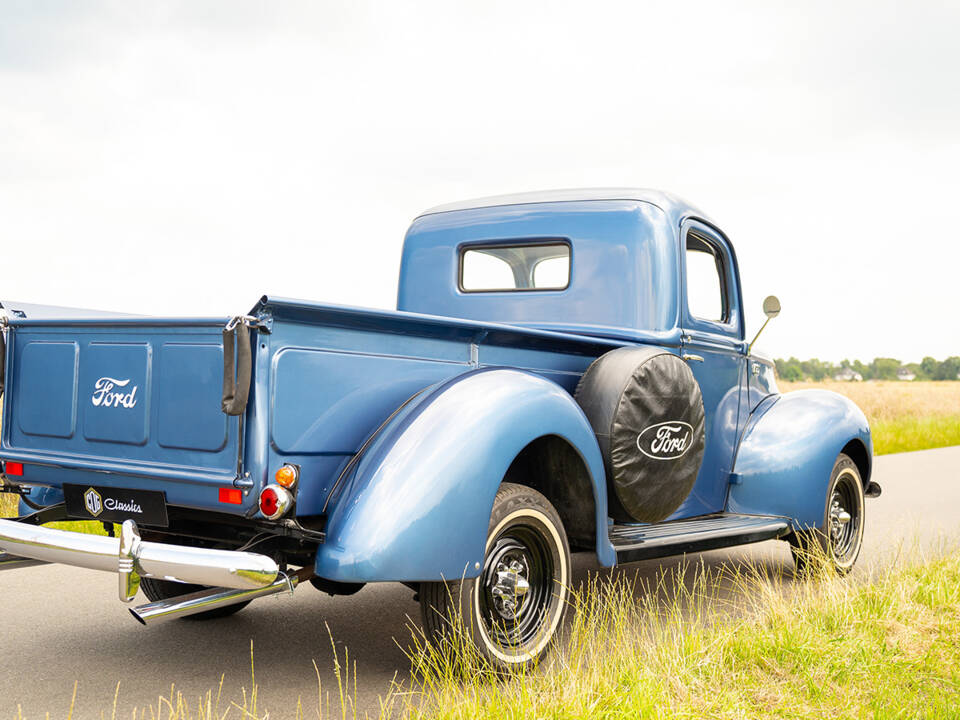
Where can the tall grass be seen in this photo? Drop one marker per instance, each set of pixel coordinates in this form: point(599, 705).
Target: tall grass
point(743, 642)
point(904, 416)
point(884, 645)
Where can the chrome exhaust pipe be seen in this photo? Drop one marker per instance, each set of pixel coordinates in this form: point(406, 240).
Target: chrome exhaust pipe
point(198, 602)
point(10, 562)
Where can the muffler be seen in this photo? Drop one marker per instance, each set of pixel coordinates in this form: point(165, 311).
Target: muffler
point(204, 600)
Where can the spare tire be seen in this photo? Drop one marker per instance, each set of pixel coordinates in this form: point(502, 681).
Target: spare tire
point(646, 409)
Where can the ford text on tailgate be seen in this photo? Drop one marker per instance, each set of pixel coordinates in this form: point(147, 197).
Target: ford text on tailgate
point(564, 370)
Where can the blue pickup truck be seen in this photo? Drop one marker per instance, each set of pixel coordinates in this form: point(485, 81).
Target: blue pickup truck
point(565, 370)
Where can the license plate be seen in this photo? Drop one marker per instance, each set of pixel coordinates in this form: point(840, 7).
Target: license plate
point(93, 502)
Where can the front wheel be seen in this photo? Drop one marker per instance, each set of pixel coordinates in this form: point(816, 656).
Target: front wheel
point(510, 612)
point(839, 538)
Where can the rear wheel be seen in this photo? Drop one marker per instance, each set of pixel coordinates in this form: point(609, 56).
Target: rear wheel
point(839, 538)
point(510, 612)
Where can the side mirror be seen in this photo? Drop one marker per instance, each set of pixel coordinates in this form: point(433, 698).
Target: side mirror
point(771, 308)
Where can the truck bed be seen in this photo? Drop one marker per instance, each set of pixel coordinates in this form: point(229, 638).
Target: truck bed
point(135, 402)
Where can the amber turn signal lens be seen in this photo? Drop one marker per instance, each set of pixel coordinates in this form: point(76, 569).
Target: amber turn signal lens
point(287, 476)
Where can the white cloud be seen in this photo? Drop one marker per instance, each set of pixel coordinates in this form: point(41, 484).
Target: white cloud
point(185, 158)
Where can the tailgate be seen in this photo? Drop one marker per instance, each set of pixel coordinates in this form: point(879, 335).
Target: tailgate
point(125, 402)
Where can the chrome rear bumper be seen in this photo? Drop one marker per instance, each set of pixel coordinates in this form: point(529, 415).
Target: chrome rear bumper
point(133, 558)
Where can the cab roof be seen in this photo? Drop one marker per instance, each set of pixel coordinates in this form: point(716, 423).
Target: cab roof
point(674, 206)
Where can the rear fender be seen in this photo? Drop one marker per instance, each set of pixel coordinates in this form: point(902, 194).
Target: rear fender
point(418, 506)
point(787, 454)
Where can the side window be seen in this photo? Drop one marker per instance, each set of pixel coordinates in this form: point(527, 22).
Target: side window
point(706, 280)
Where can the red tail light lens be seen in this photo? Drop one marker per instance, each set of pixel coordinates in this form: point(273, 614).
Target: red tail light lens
point(275, 501)
point(13, 469)
point(232, 496)
point(268, 502)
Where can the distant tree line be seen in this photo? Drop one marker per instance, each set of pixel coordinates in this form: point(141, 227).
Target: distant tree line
point(794, 370)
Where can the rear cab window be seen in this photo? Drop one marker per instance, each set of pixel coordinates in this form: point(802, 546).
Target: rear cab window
point(515, 266)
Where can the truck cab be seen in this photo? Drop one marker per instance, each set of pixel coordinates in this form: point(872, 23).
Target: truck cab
point(632, 266)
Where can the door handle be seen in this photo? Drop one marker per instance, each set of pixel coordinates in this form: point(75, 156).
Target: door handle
point(690, 357)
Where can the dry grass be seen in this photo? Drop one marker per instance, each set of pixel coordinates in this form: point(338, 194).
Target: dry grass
point(890, 401)
point(882, 645)
point(8, 505)
point(903, 416)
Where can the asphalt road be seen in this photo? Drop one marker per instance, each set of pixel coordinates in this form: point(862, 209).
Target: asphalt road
point(59, 625)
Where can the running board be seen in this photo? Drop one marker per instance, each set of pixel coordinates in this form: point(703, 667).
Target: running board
point(708, 532)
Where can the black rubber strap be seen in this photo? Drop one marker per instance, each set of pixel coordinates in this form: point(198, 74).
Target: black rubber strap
point(236, 369)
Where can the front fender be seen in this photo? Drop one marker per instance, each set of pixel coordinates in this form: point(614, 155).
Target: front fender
point(418, 506)
point(787, 454)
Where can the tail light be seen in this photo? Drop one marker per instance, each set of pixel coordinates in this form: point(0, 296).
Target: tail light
point(275, 501)
point(12, 468)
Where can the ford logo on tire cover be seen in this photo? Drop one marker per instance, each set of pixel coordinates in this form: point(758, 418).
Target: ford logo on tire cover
point(666, 440)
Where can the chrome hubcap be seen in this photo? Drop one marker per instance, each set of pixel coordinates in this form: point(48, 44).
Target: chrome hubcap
point(516, 585)
point(845, 521)
point(839, 517)
point(510, 586)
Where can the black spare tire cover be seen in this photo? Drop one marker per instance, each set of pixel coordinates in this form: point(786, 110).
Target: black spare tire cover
point(646, 409)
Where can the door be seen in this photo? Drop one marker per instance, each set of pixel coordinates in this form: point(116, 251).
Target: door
point(713, 346)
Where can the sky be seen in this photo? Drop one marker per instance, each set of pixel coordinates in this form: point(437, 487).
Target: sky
point(185, 158)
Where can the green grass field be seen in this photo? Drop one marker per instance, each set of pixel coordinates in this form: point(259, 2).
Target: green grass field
point(904, 416)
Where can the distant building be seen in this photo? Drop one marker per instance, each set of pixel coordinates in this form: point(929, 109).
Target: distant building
point(905, 374)
point(848, 375)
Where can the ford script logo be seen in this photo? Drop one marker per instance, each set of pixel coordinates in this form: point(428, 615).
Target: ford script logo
point(106, 394)
point(665, 441)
